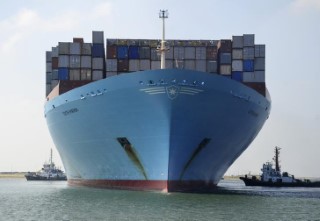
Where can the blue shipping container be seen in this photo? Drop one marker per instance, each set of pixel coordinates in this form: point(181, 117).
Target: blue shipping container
point(98, 51)
point(225, 58)
point(237, 75)
point(134, 52)
point(248, 65)
point(122, 52)
point(63, 74)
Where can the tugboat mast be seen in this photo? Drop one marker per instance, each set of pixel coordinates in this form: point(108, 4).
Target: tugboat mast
point(163, 14)
point(276, 158)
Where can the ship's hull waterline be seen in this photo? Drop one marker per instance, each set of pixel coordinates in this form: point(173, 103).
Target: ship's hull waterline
point(170, 130)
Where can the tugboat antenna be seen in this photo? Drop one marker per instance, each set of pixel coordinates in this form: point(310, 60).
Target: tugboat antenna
point(163, 14)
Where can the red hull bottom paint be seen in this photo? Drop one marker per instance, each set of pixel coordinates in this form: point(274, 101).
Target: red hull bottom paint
point(147, 185)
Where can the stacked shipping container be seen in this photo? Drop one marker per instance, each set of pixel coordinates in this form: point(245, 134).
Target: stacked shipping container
point(239, 59)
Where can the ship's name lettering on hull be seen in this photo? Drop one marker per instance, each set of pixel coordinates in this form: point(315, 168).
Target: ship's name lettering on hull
point(70, 111)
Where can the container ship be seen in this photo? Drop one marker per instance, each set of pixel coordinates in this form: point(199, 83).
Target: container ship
point(150, 114)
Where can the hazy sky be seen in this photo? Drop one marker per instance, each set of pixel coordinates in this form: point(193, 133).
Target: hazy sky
point(289, 28)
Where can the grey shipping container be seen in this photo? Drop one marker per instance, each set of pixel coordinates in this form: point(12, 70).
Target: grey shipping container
point(75, 61)
point(201, 65)
point(248, 40)
point(259, 64)
point(201, 53)
point(63, 61)
point(169, 53)
point(48, 67)
point(54, 83)
point(169, 63)
point(97, 37)
point(237, 65)
point(248, 53)
point(134, 65)
point(112, 65)
point(189, 64)
point(212, 66)
point(144, 52)
point(259, 51)
point(237, 54)
point(178, 53)
point(55, 52)
point(155, 65)
point(86, 62)
point(64, 48)
point(237, 41)
point(48, 89)
point(225, 58)
point(111, 73)
point(75, 48)
point(97, 75)
point(155, 55)
point(48, 56)
point(257, 76)
point(189, 52)
point(85, 74)
point(225, 69)
point(179, 64)
point(97, 63)
point(86, 49)
point(48, 78)
point(74, 74)
point(55, 74)
point(145, 64)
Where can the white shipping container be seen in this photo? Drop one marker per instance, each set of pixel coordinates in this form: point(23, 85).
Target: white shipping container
point(86, 49)
point(169, 53)
point(74, 74)
point(178, 53)
point(201, 53)
point(237, 54)
point(97, 63)
point(225, 69)
point(190, 52)
point(145, 64)
point(63, 61)
point(155, 65)
point(75, 61)
point(75, 48)
point(259, 64)
point(169, 63)
point(97, 75)
point(201, 65)
point(97, 37)
point(48, 56)
point(237, 65)
point(55, 52)
point(86, 62)
point(111, 73)
point(48, 67)
point(85, 74)
point(212, 66)
point(134, 65)
point(190, 64)
point(248, 40)
point(248, 53)
point(257, 76)
point(237, 41)
point(112, 65)
point(64, 48)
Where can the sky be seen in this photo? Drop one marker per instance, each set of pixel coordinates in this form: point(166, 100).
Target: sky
point(289, 28)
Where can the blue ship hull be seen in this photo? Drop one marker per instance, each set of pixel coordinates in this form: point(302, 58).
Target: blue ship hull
point(170, 130)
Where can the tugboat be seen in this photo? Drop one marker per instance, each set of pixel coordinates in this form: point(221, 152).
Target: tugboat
point(49, 172)
point(272, 177)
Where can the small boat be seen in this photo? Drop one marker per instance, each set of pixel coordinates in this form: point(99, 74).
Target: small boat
point(49, 172)
point(272, 177)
